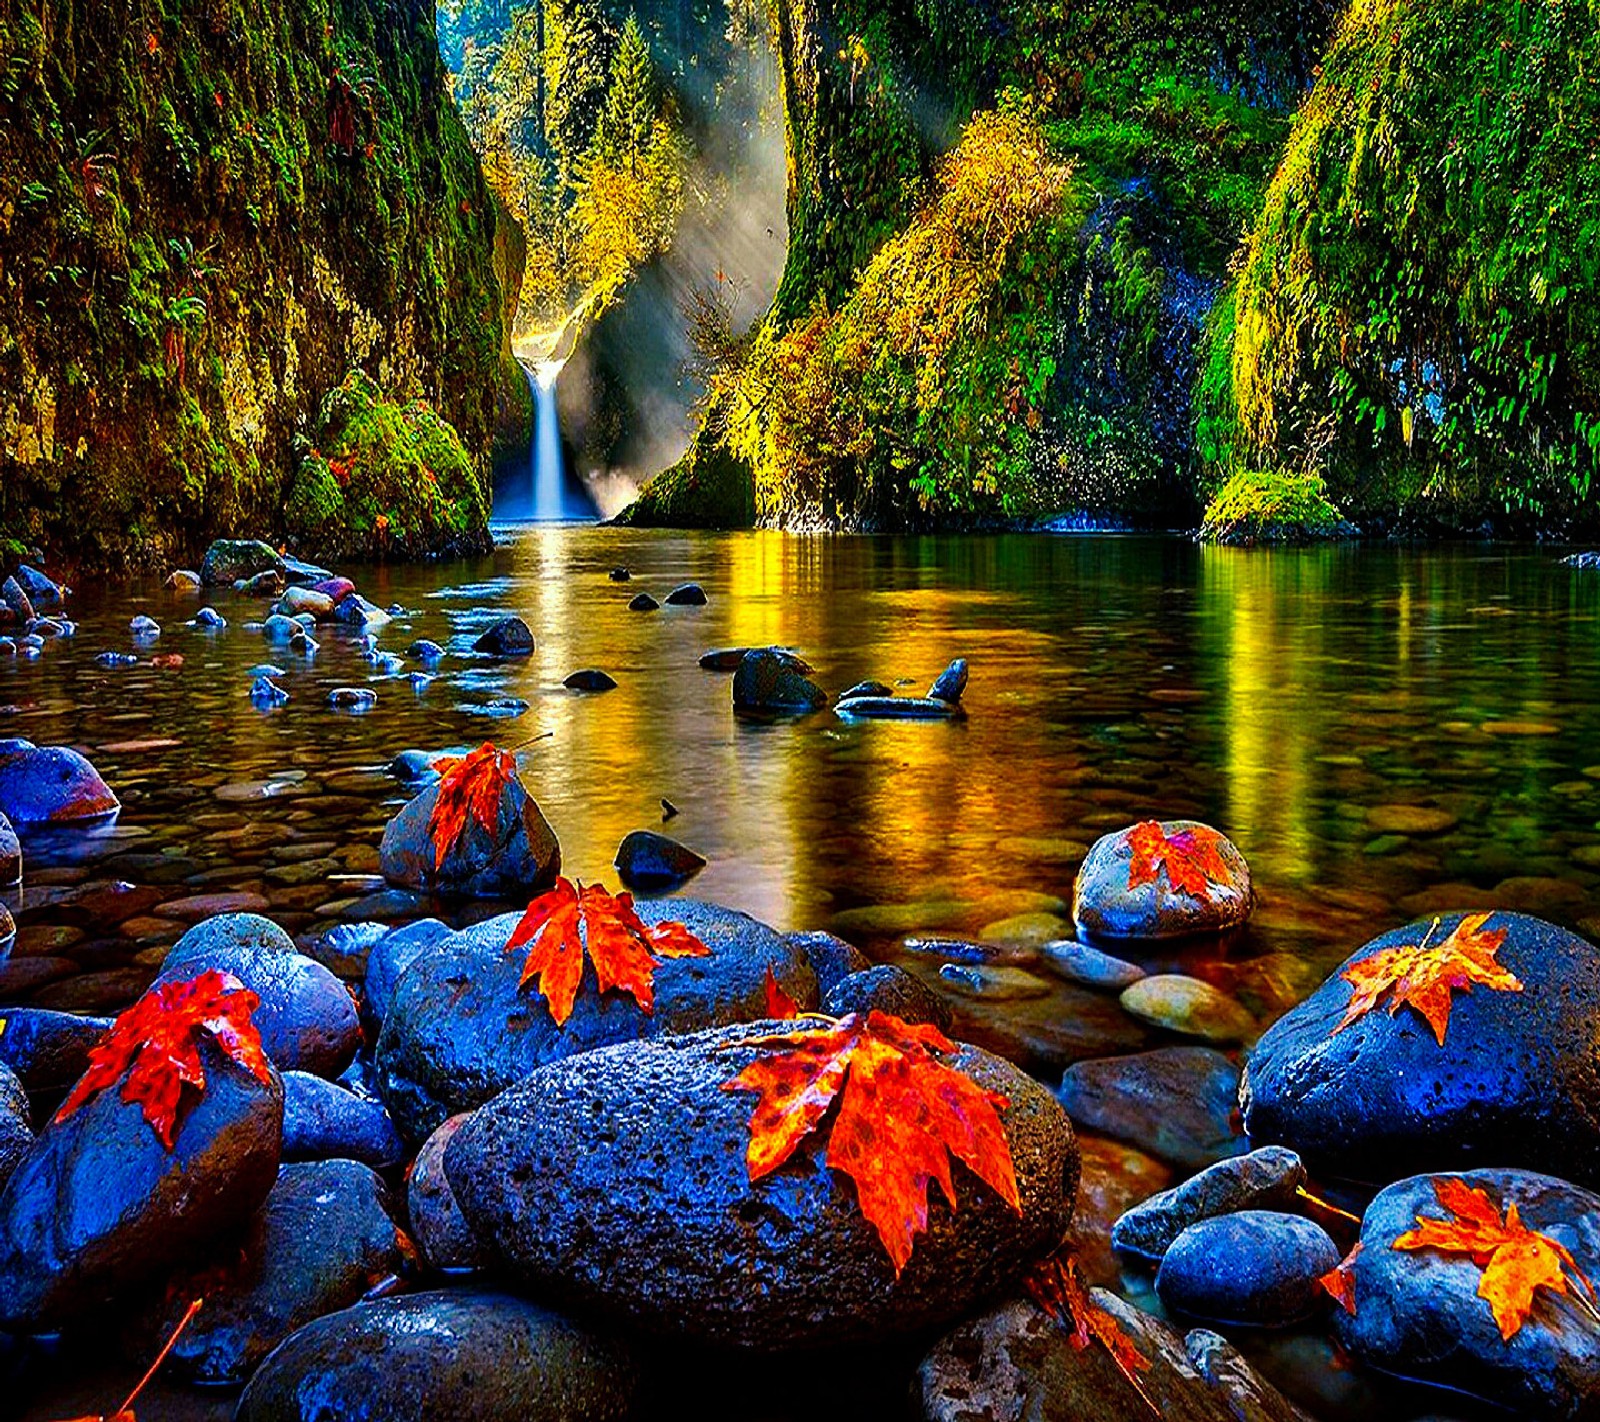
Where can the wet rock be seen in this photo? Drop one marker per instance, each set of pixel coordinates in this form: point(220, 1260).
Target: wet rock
point(296, 601)
point(463, 1355)
point(1104, 905)
point(16, 1134)
point(830, 958)
point(1178, 1103)
point(425, 651)
point(144, 628)
point(654, 862)
point(230, 559)
point(677, 1251)
point(307, 1018)
point(898, 708)
point(319, 1242)
point(1410, 820)
point(887, 988)
point(462, 1028)
point(338, 589)
point(643, 602)
point(866, 689)
point(518, 858)
point(765, 686)
point(391, 956)
point(1190, 1006)
point(99, 1204)
point(1418, 1313)
point(620, 575)
point(48, 1051)
point(344, 950)
point(41, 591)
point(323, 1121)
point(590, 679)
point(183, 580)
point(279, 628)
point(1253, 1268)
point(266, 583)
point(1515, 1078)
point(437, 1224)
point(353, 610)
point(266, 692)
point(211, 619)
point(1247, 1396)
point(727, 659)
point(50, 785)
point(1081, 963)
point(990, 983)
point(1025, 930)
point(353, 698)
point(1114, 1178)
point(16, 601)
point(10, 854)
point(951, 682)
point(1265, 1179)
point(509, 637)
point(687, 595)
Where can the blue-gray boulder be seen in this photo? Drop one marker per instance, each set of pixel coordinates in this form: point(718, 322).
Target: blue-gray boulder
point(390, 957)
point(323, 1121)
point(654, 862)
point(16, 1131)
point(766, 684)
point(1106, 905)
point(1253, 1268)
point(47, 1050)
point(515, 860)
point(42, 785)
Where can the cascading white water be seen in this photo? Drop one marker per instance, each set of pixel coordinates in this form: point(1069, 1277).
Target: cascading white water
point(549, 485)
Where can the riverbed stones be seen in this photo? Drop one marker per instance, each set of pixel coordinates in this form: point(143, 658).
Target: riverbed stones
point(51, 785)
point(1265, 1179)
point(515, 859)
point(18, 606)
point(1188, 1006)
point(47, 1050)
point(899, 708)
point(230, 559)
point(297, 600)
point(1178, 1103)
point(687, 595)
point(322, 1239)
point(465, 1355)
point(590, 679)
point(323, 1121)
point(10, 854)
point(889, 988)
point(391, 956)
point(1106, 904)
point(1251, 1268)
point(507, 637)
point(1418, 1312)
point(437, 1224)
point(1086, 964)
point(766, 685)
point(99, 1204)
point(1516, 1077)
point(352, 698)
point(692, 1248)
point(655, 863)
point(307, 1018)
point(16, 1134)
point(461, 1027)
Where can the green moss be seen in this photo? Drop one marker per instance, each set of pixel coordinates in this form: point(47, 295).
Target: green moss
point(1273, 506)
point(708, 488)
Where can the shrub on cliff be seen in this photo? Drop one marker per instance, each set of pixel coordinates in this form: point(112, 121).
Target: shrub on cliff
point(1273, 506)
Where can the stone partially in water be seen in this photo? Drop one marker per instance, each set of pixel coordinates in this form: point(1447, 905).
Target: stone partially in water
point(643, 602)
point(99, 1205)
point(830, 957)
point(437, 1224)
point(1252, 1268)
point(887, 988)
point(1515, 1079)
point(320, 1241)
point(323, 1121)
point(1418, 1313)
point(766, 685)
point(1081, 963)
point(687, 595)
point(48, 1051)
point(461, 1355)
point(1266, 1179)
point(590, 679)
point(509, 637)
point(18, 607)
point(951, 682)
point(230, 559)
point(461, 1027)
point(692, 1248)
point(1106, 904)
point(655, 862)
point(1179, 1103)
point(990, 983)
point(1190, 1006)
point(515, 859)
point(352, 698)
point(50, 785)
point(391, 956)
point(898, 708)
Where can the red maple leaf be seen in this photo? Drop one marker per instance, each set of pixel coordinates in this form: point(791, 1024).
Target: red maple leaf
point(1190, 858)
point(468, 788)
point(779, 1003)
point(569, 918)
point(1056, 1286)
point(1340, 1281)
point(903, 1112)
point(156, 1045)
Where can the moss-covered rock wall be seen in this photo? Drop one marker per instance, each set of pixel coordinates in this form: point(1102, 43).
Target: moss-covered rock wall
point(210, 212)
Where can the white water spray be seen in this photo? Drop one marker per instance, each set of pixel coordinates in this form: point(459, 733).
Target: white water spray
point(549, 481)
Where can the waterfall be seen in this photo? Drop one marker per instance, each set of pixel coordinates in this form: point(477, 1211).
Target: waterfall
point(552, 493)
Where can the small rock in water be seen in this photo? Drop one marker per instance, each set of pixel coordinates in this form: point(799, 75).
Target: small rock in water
point(957, 950)
point(1586, 561)
point(47, 1050)
point(296, 602)
point(114, 659)
point(668, 810)
point(47, 628)
point(830, 958)
point(866, 689)
point(1266, 1179)
point(727, 659)
point(590, 680)
point(355, 611)
point(387, 664)
point(144, 627)
point(1110, 900)
point(266, 692)
point(765, 685)
point(8, 648)
point(620, 575)
point(993, 984)
point(424, 650)
point(898, 708)
point(420, 681)
point(183, 580)
point(643, 603)
point(337, 589)
point(10, 854)
point(228, 560)
point(50, 785)
point(1253, 1268)
point(353, 698)
point(652, 862)
point(1190, 1006)
point(1081, 963)
point(502, 708)
point(1178, 1103)
point(891, 989)
point(687, 595)
point(16, 601)
point(279, 628)
point(305, 574)
point(509, 637)
point(951, 683)
point(210, 617)
point(42, 591)
point(263, 584)
point(1410, 820)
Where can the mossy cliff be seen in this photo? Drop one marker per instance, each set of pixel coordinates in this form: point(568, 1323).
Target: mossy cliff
point(210, 212)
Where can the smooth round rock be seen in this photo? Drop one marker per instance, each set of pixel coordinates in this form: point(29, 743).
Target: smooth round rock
point(516, 859)
point(10, 855)
point(951, 682)
point(1516, 1078)
point(590, 679)
point(692, 1248)
point(1105, 905)
point(437, 1224)
point(830, 957)
point(323, 1121)
point(1190, 1006)
point(766, 685)
point(655, 862)
point(687, 595)
point(509, 637)
point(47, 1050)
point(898, 708)
point(1266, 1179)
point(51, 785)
point(391, 956)
point(1083, 963)
point(891, 989)
point(464, 1356)
point(1252, 1268)
point(1418, 1313)
point(643, 602)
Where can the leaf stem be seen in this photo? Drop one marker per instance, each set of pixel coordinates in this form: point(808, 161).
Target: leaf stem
point(161, 1357)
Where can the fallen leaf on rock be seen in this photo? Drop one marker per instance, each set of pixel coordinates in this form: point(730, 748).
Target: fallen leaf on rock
point(1515, 1260)
point(561, 923)
point(1057, 1287)
point(779, 1003)
point(468, 787)
point(1340, 1281)
point(903, 1112)
point(1190, 858)
point(156, 1045)
point(1425, 977)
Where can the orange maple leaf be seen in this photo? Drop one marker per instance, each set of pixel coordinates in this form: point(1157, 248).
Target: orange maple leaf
point(1340, 1281)
point(623, 950)
point(468, 787)
point(1055, 1284)
point(779, 1003)
point(1190, 858)
point(1515, 1259)
point(902, 1114)
point(1426, 976)
point(156, 1043)
point(125, 1412)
